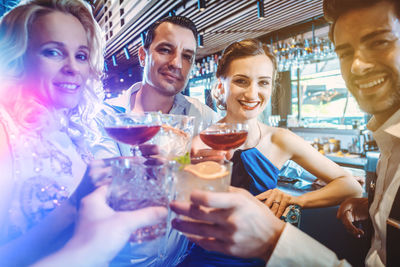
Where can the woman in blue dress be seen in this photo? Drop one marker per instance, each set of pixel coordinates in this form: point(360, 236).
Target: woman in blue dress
point(246, 76)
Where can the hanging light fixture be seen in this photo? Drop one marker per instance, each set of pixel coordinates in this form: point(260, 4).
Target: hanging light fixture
point(126, 51)
point(143, 37)
point(105, 66)
point(114, 60)
point(201, 5)
point(260, 9)
point(200, 41)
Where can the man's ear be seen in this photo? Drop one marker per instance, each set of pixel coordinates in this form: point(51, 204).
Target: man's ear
point(142, 56)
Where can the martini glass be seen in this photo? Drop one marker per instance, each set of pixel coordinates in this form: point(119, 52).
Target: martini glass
point(133, 129)
point(225, 136)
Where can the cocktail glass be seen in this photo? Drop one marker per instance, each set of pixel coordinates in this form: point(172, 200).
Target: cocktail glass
point(207, 175)
point(175, 136)
point(133, 129)
point(225, 136)
point(173, 142)
point(137, 184)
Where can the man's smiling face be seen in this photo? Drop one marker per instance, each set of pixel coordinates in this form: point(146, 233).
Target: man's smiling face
point(368, 45)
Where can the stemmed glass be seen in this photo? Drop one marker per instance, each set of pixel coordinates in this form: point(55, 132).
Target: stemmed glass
point(133, 129)
point(175, 136)
point(225, 136)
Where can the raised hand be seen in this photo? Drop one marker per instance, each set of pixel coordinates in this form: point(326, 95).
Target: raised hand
point(233, 223)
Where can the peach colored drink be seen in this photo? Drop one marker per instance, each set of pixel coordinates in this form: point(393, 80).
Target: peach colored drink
point(208, 175)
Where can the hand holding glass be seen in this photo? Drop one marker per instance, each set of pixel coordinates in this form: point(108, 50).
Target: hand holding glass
point(137, 184)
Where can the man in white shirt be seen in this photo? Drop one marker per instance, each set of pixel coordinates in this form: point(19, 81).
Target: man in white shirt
point(366, 34)
point(367, 41)
point(167, 57)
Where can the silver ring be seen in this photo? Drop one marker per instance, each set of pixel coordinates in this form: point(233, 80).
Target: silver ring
point(277, 202)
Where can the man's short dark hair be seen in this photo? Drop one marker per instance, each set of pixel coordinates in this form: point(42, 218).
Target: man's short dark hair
point(177, 20)
point(333, 9)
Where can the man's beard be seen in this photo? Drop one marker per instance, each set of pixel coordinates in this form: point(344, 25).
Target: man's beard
point(390, 102)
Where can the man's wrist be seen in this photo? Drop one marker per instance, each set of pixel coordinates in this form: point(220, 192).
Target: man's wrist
point(277, 228)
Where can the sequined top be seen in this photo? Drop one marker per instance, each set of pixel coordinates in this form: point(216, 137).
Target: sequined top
point(47, 168)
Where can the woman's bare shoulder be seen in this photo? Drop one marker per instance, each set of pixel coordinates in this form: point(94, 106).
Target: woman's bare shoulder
point(286, 139)
point(281, 134)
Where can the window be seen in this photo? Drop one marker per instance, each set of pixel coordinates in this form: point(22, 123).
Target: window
point(122, 22)
point(121, 12)
point(110, 24)
point(324, 98)
point(121, 1)
point(109, 14)
point(111, 34)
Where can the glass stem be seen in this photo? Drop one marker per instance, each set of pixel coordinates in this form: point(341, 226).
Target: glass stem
point(136, 151)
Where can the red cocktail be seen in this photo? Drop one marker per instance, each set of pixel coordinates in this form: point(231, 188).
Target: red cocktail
point(223, 141)
point(225, 136)
point(133, 129)
point(133, 135)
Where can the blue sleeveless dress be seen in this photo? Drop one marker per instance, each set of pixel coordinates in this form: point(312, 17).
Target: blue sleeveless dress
point(254, 172)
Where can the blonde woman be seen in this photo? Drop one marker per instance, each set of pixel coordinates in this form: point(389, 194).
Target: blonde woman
point(51, 60)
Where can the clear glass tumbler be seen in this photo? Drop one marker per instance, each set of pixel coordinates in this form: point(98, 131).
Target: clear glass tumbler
point(139, 184)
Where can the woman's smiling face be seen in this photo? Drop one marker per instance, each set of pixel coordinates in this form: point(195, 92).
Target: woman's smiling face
point(57, 66)
point(248, 86)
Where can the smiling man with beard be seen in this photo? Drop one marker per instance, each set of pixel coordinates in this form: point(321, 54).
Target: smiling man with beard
point(367, 41)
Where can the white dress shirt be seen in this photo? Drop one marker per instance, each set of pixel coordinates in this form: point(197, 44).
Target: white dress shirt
point(295, 248)
point(387, 137)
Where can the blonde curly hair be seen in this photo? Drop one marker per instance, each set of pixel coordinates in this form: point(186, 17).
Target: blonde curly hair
point(15, 28)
